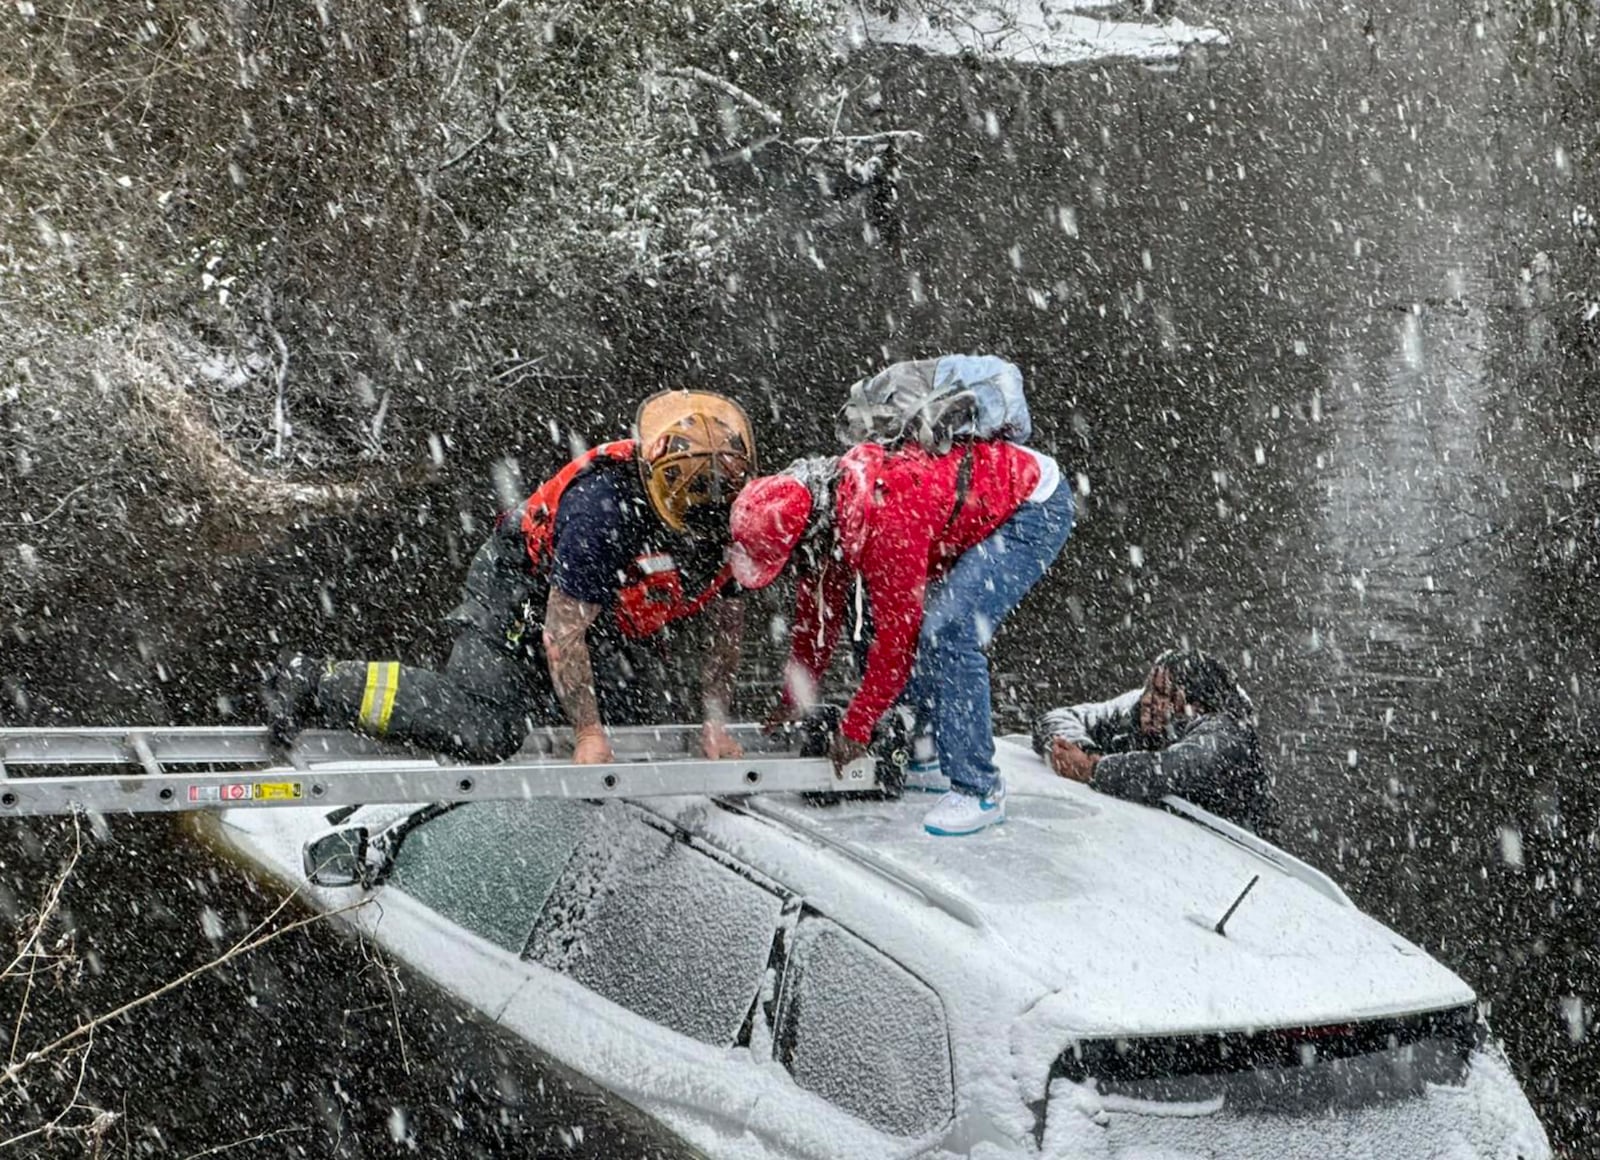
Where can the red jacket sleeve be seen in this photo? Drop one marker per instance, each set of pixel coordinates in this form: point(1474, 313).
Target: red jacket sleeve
point(894, 567)
point(818, 616)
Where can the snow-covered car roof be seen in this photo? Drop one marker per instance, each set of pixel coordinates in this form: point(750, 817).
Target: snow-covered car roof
point(1109, 907)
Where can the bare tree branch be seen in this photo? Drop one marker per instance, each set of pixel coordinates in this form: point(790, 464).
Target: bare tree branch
point(883, 138)
point(471, 148)
point(154, 385)
point(100, 1122)
point(10, 1074)
point(53, 511)
point(218, 1149)
point(467, 46)
point(752, 102)
point(745, 152)
point(52, 900)
point(22, 1011)
point(384, 969)
point(280, 411)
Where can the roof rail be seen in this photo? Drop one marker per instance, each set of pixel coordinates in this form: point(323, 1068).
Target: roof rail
point(1260, 847)
point(935, 896)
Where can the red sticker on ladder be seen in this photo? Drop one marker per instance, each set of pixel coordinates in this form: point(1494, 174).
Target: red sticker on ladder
point(237, 792)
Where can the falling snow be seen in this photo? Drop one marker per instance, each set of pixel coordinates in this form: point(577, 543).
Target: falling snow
point(296, 300)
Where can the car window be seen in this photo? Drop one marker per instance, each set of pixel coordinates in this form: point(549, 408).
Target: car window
point(659, 927)
point(489, 866)
point(863, 1033)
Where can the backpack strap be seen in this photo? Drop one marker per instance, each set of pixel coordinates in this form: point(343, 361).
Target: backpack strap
point(963, 486)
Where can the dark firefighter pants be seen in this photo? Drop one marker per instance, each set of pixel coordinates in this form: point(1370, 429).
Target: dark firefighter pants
point(481, 706)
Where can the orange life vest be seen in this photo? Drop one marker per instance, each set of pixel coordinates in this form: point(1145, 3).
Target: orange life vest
point(651, 595)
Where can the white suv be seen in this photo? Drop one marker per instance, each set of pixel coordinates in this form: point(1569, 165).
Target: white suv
point(771, 978)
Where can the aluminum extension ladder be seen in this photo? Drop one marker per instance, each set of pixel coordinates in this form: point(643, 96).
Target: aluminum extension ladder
point(224, 767)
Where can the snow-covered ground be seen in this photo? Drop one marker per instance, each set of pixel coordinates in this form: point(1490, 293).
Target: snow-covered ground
point(1049, 32)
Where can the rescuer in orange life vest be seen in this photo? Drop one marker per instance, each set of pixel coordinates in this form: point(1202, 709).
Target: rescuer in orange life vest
point(621, 544)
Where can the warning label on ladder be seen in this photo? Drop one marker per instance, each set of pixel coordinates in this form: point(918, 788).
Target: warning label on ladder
point(244, 791)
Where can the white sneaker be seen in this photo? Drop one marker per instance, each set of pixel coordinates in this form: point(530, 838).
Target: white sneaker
point(927, 777)
point(963, 813)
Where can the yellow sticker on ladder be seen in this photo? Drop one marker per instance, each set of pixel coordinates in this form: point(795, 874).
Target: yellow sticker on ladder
point(277, 791)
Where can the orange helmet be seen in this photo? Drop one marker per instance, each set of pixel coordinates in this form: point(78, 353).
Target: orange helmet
point(696, 450)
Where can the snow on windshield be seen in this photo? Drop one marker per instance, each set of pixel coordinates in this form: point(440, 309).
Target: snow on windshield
point(658, 928)
point(864, 1034)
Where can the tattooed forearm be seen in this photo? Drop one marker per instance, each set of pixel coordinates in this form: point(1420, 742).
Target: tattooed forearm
point(726, 627)
point(566, 649)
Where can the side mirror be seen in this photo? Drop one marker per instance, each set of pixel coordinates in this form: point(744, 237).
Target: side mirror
point(337, 857)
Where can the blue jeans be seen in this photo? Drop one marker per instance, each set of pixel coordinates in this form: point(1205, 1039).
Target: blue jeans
point(949, 684)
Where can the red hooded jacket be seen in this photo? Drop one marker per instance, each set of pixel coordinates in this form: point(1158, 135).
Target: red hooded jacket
point(900, 524)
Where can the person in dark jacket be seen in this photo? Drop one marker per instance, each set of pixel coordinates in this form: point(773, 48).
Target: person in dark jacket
point(1189, 732)
point(619, 548)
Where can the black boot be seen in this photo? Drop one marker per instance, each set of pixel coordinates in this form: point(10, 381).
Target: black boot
point(290, 695)
point(891, 746)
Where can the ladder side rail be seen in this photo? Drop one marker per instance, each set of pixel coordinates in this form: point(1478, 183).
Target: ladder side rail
point(416, 781)
point(168, 745)
point(245, 745)
point(686, 738)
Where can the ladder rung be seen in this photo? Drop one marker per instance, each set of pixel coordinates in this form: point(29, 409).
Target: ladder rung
point(144, 755)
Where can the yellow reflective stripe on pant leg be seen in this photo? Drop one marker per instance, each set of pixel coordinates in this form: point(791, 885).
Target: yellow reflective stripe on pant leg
point(390, 688)
point(370, 695)
point(377, 699)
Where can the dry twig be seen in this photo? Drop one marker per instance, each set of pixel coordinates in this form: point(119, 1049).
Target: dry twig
point(100, 1121)
point(52, 900)
point(15, 1069)
point(53, 511)
point(883, 138)
point(219, 1149)
point(726, 87)
point(388, 973)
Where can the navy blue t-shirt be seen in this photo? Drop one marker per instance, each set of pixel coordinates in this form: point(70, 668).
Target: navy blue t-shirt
point(604, 523)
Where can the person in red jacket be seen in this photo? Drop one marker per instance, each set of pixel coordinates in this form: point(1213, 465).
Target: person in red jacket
point(942, 547)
